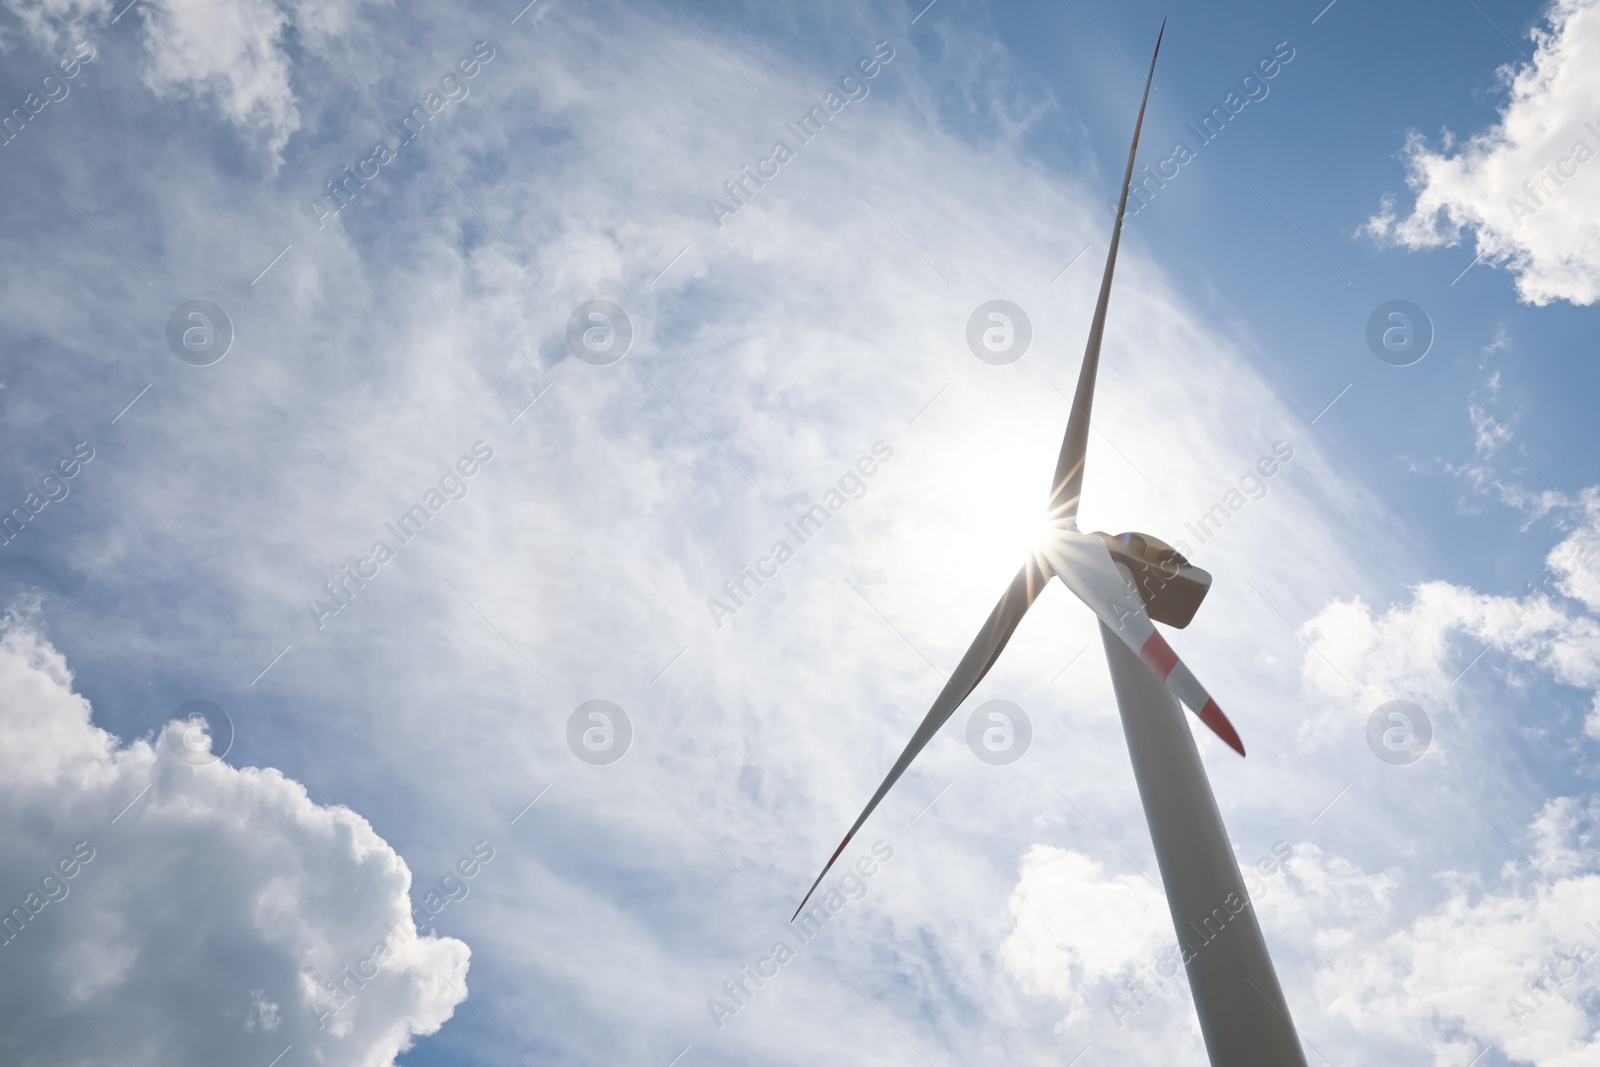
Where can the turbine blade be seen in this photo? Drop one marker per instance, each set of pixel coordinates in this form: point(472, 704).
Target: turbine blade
point(1068, 484)
point(1084, 565)
point(985, 649)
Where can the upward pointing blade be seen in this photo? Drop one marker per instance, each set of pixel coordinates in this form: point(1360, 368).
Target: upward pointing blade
point(991, 640)
point(1068, 484)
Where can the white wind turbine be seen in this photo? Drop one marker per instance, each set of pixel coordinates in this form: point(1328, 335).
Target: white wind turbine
point(1127, 580)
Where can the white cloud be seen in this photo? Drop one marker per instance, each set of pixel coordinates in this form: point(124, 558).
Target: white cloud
point(1364, 656)
point(1515, 963)
point(218, 899)
point(1074, 927)
point(1572, 560)
point(1500, 469)
point(233, 53)
point(1528, 188)
point(50, 23)
point(1322, 901)
point(1517, 967)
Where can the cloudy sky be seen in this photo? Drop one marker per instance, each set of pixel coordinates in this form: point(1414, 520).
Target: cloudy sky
point(329, 510)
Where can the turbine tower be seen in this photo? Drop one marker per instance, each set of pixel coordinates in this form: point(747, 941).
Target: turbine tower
point(1127, 580)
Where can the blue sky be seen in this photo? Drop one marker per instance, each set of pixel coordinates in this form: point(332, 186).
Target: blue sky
point(1431, 538)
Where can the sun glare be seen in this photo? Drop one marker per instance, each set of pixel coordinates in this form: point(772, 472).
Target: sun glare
point(1042, 533)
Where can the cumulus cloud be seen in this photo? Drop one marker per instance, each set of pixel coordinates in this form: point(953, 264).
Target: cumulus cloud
point(1322, 901)
point(1508, 963)
point(1570, 561)
point(1075, 926)
point(1412, 648)
point(141, 891)
point(1103, 946)
point(1514, 967)
point(1366, 656)
point(1526, 188)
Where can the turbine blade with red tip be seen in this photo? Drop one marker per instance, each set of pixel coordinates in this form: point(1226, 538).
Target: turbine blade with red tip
point(1084, 565)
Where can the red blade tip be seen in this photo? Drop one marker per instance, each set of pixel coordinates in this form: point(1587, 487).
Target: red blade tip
point(1212, 716)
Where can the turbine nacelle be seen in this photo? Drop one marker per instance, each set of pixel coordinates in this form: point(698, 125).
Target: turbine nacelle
point(1170, 586)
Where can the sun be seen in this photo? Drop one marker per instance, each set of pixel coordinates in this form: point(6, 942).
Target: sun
point(1042, 532)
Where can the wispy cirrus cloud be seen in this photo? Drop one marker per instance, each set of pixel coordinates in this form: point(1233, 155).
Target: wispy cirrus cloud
point(237, 58)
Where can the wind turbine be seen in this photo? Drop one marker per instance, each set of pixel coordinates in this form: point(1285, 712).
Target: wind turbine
point(1127, 580)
